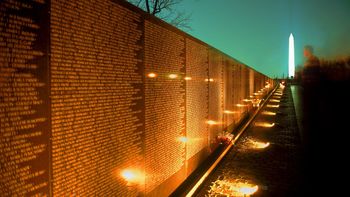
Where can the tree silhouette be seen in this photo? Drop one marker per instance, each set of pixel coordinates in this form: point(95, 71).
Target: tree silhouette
point(164, 9)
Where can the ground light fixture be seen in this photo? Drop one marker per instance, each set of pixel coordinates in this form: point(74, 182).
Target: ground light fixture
point(258, 145)
point(264, 124)
point(274, 100)
point(272, 106)
point(232, 188)
point(269, 113)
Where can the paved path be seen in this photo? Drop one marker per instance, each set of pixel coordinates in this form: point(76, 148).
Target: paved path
point(276, 169)
point(322, 113)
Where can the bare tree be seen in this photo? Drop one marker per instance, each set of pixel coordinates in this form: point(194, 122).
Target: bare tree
point(164, 9)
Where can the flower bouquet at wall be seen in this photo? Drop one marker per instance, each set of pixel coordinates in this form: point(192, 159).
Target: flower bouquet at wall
point(225, 137)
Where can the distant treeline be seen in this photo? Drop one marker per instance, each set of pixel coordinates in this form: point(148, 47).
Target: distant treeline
point(329, 70)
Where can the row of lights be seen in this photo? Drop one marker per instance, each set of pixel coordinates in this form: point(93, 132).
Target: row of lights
point(251, 189)
point(240, 187)
point(175, 76)
point(137, 177)
point(259, 93)
point(244, 188)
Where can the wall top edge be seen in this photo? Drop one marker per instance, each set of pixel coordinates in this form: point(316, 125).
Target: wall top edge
point(170, 27)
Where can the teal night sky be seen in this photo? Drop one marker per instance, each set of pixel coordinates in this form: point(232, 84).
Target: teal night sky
point(256, 31)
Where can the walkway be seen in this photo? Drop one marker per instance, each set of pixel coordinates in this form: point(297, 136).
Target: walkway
point(297, 146)
point(275, 169)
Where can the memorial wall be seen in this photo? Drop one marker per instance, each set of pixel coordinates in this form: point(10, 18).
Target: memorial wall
point(96, 96)
point(228, 118)
point(24, 98)
point(164, 61)
point(197, 95)
point(99, 98)
point(216, 93)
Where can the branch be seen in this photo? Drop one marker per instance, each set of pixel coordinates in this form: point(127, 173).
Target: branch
point(155, 8)
point(181, 21)
point(138, 3)
point(147, 6)
point(164, 9)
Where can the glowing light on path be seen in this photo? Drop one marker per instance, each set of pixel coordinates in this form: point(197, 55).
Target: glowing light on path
point(248, 189)
point(273, 106)
point(259, 145)
point(232, 188)
point(264, 124)
point(269, 113)
point(291, 65)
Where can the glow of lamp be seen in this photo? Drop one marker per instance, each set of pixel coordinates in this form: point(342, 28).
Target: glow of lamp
point(211, 122)
point(132, 176)
point(273, 106)
point(128, 175)
point(264, 124)
point(274, 100)
point(183, 139)
point(188, 78)
point(229, 112)
point(232, 188)
point(248, 189)
point(151, 75)
point(259, 145)
point(268, 113)
point(173, 76)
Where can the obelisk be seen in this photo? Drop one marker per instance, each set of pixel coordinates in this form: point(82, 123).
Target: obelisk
point(291, 65)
